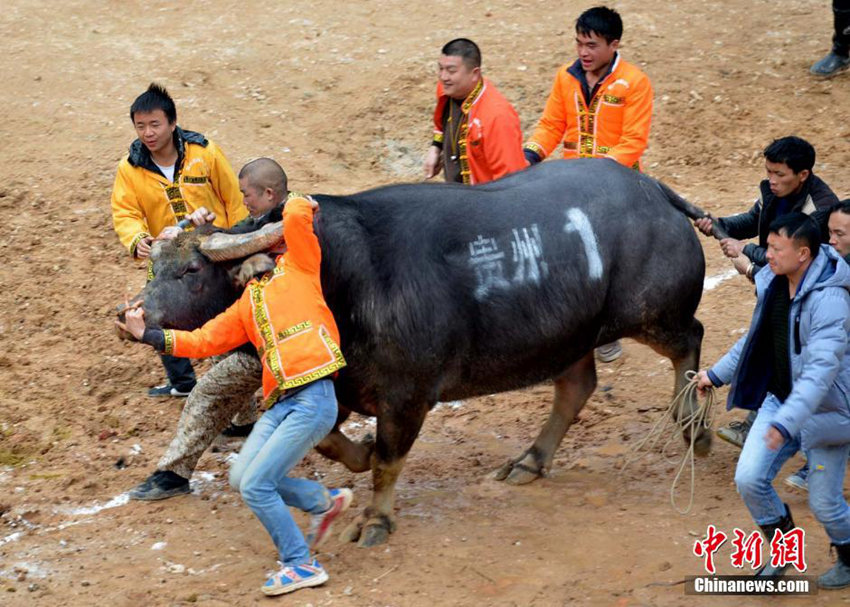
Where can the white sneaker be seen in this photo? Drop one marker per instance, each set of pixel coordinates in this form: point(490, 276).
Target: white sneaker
point(289, 579)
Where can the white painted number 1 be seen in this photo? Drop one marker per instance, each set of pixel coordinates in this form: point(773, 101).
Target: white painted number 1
point(578, 222)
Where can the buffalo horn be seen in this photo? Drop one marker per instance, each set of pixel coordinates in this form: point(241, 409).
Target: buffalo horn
point(223, 247)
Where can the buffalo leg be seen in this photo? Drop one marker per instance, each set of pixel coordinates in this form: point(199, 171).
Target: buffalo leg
point(683, 349)
point(398, 427)
point(572, 389)
point(356, 456)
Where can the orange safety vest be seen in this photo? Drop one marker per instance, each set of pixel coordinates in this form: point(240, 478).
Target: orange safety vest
point(490, 142)
point(284, 315)
point(615, 124)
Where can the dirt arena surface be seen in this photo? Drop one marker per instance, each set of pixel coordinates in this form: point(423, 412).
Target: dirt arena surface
point(341, 95)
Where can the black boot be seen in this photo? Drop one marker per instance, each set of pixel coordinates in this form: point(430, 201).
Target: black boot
point(785, 524)
point(841, 38)
point(160, 485)
point(838, 59)
point(839, 575)
point(830, 65)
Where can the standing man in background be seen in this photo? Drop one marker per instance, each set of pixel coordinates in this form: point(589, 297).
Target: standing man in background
point(600, 106)
point(838, 59)
point(170, 175)
point(477, 135)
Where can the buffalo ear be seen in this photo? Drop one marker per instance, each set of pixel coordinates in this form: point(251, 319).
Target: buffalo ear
point(252, 267)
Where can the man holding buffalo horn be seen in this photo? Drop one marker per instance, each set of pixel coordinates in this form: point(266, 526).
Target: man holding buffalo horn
point(227, 390)
point(285, 317)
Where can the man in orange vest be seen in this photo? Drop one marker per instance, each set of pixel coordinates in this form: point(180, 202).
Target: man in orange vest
point(284, 316)
point(600, 106)
point(477, 136)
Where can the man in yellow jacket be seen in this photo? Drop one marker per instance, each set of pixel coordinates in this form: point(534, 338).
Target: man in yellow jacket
point(170, 175)
point(600, 106)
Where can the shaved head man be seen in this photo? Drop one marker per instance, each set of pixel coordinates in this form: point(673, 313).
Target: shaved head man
point(263, 184)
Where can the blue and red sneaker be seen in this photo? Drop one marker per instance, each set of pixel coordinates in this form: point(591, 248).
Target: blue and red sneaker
point(289, 579)
point(320, 524)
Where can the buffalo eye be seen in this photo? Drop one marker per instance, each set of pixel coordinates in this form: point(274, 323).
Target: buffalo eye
point(193, 268)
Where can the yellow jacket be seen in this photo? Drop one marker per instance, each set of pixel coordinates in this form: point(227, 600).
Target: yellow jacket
point(144, 201)
point(615, 124)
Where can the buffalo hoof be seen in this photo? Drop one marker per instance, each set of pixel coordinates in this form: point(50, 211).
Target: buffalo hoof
point(373, 535)
point(519, 472)
point(368, 531)
point(702, 445)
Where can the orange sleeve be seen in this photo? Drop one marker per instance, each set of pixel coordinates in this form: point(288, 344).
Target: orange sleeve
point(302, 246)
point(553, 124)
point(637, 116)
point(438, 115)
point(221, 334)
point(504, 148)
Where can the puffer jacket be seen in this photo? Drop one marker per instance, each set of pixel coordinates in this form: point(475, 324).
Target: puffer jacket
point(818, 407)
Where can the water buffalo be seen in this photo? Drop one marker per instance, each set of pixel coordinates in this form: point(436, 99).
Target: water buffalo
point(445, 292)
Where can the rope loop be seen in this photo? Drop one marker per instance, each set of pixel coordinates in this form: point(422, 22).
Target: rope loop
point(678, 418)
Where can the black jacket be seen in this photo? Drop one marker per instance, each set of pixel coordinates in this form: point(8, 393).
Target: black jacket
point(815, 199)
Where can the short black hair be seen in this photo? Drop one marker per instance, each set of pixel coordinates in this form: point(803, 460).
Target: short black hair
point(155, 98)
point(797, 153)
point(841, 207)
point(602, 21)
point(464, 48)
point(800, 228)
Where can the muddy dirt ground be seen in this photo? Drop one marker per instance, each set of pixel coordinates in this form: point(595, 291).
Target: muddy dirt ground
point(340, 94)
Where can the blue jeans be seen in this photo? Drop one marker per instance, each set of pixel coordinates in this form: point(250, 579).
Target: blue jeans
point(279, 440)
point(826, 491)
point(758, 466)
